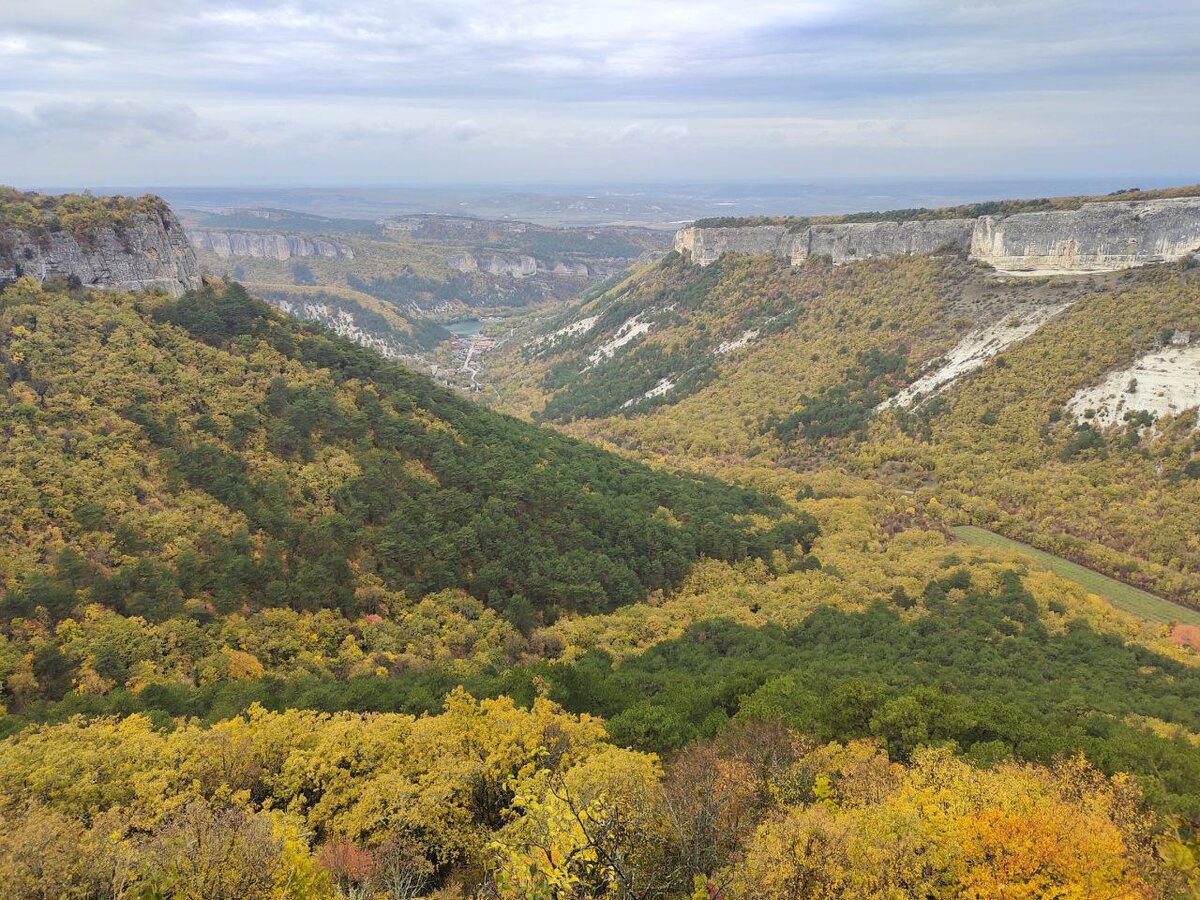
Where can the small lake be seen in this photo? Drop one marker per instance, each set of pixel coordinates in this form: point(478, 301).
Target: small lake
point(465, 328)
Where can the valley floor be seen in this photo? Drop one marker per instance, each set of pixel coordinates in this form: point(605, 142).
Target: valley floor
point(1123, 596)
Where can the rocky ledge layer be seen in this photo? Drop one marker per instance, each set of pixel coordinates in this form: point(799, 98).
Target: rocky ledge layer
point(1098, 237)
point(519, 265)
point(267, 245)
point(148, 250)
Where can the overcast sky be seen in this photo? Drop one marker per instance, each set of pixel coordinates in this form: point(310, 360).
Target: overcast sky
point(101, 92)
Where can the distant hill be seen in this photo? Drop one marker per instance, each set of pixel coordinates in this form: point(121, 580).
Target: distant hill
point(437, 266)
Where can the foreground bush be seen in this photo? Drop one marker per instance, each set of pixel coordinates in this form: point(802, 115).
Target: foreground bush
point(489, 799)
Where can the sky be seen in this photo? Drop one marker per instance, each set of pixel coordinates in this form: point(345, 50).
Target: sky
point(329, 92)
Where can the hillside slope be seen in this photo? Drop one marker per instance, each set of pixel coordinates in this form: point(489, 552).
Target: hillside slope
point(207, 457)
point(995, 396)
point(235, 547)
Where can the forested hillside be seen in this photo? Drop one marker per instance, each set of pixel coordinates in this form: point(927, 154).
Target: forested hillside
point(283, 619)
point(927, 373)
point(185, 461)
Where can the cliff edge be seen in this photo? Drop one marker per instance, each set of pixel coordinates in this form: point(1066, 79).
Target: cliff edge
point(117, 243)
point(1095, 237)
point(267, 245)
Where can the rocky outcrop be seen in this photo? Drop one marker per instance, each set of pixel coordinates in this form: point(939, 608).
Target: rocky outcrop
point(870, 240)
point(267, 245)
point(565, 269)
point(149, 250)
point(1098, 237)
point(342, 320)
point(841, 242)
point(706, 245)
point(515, 265)
point(463, 262)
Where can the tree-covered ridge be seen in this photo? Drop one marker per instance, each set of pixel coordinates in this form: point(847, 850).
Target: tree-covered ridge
point(963, 211)
point(980, 669)
point(204, 456)
point(80, 214)
point(985, 669)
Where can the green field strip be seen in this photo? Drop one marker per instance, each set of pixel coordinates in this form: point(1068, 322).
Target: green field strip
point(1123, 596)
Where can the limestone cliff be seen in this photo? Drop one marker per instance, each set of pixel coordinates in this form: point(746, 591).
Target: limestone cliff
point(707, 244)
point(146, 249)
point(516, 265)
point(1097, 237)
point(267, 245)
point(845, 243)
point(361, 318)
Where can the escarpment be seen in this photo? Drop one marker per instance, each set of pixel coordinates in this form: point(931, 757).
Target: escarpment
point(139, 249)
point(1097, 237)
point(267, 245)
point(524, 266)
point(706, 245)
point(844, 243)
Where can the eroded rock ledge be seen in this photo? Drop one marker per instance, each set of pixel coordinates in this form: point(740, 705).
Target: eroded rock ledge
point(147, 251)
point(267, 245)
point(1098, 237)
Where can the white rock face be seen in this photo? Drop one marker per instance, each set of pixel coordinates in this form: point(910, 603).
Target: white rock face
point(871, 240)
point(150, 251)
point(463, 262)
point(664, 386)
point(1098, 237)
point(516, 267)
point(630, 329)
point(707, 244)
point(267, 245)
point(583, 326)
point(564, 269)
point(729, 346)
point(343, 323)
point(973, 351)
point(1165, 382)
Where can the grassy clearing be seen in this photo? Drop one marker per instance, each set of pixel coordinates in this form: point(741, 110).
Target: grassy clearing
point(1123, 596)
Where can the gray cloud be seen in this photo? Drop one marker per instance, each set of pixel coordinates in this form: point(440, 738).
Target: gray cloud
point(103, 119)
point(597, 88)
point(466, 130)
